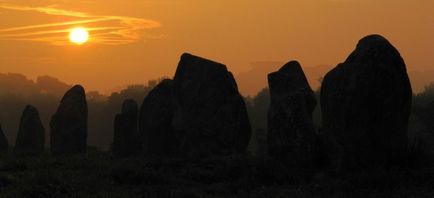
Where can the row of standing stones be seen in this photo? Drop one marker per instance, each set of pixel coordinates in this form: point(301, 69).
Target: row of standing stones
point(365, 105)
point(68, 127)
point(198, 113)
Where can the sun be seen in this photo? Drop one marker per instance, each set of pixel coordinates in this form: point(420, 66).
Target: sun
point(78, 35)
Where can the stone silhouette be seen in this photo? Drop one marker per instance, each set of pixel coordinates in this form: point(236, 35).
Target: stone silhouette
point(31, 133)
point(366, 103)
point(210, 115)
point(3, 141)
point(291, 131)
point(126, 140)
point(69, 124)
point(156, 115)
point(200, 112)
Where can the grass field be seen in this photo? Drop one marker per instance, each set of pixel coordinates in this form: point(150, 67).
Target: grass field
point(98, 174)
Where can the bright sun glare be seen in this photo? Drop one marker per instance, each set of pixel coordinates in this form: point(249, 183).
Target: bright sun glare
point(78, 35)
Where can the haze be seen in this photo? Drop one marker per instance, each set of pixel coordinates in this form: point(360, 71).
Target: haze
point(136, 40)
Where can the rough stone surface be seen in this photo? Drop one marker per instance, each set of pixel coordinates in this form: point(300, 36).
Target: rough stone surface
point(126, 140)
point(69, 124)
point(207, 115)
point(366, 103)
point(156, 117)
point(31, 133)
point(3, 141)
point(291, 131)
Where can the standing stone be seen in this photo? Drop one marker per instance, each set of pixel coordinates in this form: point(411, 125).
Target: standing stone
point(366, 104)
point(156, 116)
point(291, 131)
point(126, 140)
point(31, 133)
point(3, 141)
point(69, 124)
point(199, 113)
point(210, 115)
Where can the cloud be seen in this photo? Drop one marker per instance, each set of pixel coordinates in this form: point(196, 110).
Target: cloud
point(109, 30)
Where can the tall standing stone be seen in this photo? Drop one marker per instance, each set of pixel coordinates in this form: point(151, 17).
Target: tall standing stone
point(126, 141)
point(291, 131)
point(3, 141)
point(366, 104)
point(210, 115)
point(69, 124)
point(31, 133)
point(155, 121)
point(199, 113)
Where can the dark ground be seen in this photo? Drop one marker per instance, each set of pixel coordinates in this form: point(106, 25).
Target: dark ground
point(97, 174)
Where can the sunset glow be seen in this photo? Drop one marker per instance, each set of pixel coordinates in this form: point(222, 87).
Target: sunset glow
point(136, 41)
point(79, 36)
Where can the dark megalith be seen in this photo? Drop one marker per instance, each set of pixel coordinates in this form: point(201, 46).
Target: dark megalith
point(291, 131)
point(366, 103)
point(210, 115)
point(31, 133)
point(155, 120)
point(3, 141)
point(69, 124)
point(126, 140)
point(200, 112)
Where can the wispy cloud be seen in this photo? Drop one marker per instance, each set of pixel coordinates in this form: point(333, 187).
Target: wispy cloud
point(110, 30)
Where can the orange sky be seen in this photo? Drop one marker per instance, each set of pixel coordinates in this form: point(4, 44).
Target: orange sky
point(137, 40)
